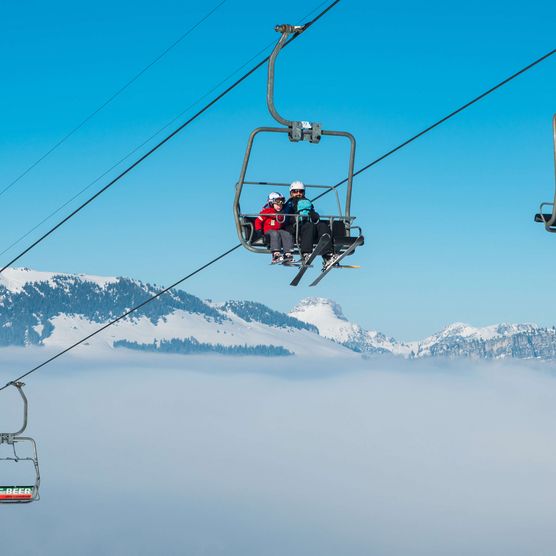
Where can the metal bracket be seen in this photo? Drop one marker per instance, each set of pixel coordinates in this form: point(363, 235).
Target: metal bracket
point(304, 131)
point(7, 438)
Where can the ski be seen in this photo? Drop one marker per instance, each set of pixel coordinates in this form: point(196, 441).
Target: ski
point(293, 263)
point(324, 239)
point(330, 266)
point(290, 263)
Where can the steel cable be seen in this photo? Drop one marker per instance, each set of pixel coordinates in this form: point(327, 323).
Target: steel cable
point(145, 142)
point(226, 253)
point(177, 283)
point(163, 142)
point(110, 99)
point(123, 316)
point(442, 120)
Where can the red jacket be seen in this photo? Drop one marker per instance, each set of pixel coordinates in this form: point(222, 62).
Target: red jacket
point(268, 220)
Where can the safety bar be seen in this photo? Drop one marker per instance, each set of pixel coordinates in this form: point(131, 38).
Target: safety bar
point(300, 216)
point(307, 186)
point(285, 184)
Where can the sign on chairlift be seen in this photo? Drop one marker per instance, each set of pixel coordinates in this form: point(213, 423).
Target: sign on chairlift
point(17, 493)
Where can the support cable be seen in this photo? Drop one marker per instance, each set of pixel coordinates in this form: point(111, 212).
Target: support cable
point(124, 315)
point(111, 98)
point(146, 141)
point(164, 141)
point(442, 120)
point(226, 253)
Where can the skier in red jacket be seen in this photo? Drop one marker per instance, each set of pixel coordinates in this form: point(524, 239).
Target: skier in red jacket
point(271, 223)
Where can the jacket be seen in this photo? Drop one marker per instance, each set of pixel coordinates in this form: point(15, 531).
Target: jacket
point(268, 220)
point(303, 207)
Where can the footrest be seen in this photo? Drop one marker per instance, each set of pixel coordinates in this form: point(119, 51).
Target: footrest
point(17, 493)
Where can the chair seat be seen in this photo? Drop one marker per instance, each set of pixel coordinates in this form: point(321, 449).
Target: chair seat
point(542, 218)
point(346, 241)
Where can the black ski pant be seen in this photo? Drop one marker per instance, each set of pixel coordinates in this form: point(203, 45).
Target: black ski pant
point(310, 233)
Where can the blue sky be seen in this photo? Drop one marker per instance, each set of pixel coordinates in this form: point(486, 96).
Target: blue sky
point(448, 220)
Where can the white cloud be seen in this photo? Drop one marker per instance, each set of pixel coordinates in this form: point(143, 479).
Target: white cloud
point(187, 455)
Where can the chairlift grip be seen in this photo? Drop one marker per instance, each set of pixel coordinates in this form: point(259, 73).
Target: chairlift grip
point(290, 29)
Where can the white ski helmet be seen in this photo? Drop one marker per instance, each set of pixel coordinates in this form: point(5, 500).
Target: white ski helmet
point(273, 197)
point(297, 185)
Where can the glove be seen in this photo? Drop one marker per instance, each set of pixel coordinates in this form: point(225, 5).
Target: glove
point(304, 207)
point(314, 217)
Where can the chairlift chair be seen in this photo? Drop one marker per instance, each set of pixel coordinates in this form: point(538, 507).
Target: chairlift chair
point(549, 219)
point(10, 494)
point(341, 224)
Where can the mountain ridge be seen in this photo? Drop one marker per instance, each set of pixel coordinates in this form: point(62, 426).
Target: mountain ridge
point(56, 309)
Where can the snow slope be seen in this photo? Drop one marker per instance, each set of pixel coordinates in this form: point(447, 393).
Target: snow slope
point(55, 310)
point(15, 279)
point(328, 317)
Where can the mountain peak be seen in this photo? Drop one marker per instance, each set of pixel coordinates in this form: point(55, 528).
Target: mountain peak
point(485, 332)
point(321, 305)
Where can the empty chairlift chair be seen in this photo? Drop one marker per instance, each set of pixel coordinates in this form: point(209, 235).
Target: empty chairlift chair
point(549, 219)
point(341, 224)
point(22, 450)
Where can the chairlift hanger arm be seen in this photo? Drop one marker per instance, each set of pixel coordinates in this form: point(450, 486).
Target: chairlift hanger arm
point(549, 220)
point(553, 219)
point(286, 31)
point(297, 130)
point(19, 386)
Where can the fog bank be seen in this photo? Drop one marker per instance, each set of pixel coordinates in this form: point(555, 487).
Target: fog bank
point(182, 455)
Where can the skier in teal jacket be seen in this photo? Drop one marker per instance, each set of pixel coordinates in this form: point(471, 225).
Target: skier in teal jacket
point(311, 228)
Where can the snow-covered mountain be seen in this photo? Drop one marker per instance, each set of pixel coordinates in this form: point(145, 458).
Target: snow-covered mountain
point(55, 310)
point(523, 341)
point(328, 318)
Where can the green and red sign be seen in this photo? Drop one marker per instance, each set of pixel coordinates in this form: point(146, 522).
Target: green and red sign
point(16, 492)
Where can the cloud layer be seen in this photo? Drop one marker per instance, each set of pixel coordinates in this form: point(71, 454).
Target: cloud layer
point(183, 455)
